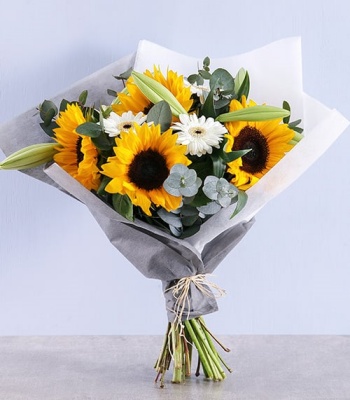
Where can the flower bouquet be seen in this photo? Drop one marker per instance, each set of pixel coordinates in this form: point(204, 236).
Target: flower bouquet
point(174, 158)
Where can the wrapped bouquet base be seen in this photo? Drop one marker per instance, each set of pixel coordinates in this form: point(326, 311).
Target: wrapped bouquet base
point(182, 263)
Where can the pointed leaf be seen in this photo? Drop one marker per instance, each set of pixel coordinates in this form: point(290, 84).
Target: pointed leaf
point(242, 199)
point(123, 205)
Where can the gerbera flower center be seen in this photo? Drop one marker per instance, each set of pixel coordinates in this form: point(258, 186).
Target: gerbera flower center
point(125, 126)
point(251, 138)
point(148, 170)
point(80, 155)
point(197, 131)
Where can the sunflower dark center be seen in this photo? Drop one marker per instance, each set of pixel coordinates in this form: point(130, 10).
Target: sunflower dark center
point(147, 108)
point(148, 170)
point(80, 154)
point(251, 138)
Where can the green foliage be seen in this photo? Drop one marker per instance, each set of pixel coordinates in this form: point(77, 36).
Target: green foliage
point(123, 205)
point(89, 129)
point(160, 114)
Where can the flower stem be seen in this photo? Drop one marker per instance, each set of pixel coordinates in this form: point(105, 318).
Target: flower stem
point(177, 346)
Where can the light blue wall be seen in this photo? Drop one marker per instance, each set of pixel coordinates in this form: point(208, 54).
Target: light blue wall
point(60, 275)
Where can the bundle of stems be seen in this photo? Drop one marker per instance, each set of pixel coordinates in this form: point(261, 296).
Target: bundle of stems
point(179, 341)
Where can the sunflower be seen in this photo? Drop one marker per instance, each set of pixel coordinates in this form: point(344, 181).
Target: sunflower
point(135, 101)
point(76, 154)
point(268, 140)
point(142, 161)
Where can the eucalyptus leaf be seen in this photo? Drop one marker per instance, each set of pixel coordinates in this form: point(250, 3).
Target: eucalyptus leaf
point(192, 79)
point(222, 79)
point(189, 220)
point(83, 97)
point(204, 74)
point(89, 129)
point(161, 115)
point(48, 129)
point(124, 75)
point(200, 199)
point(177, 232)
point(48, 110)
point(206, 63)
point(112, 93)
point(211, 208)
point(170, 218)
point(63, 104)
point(188, 211)
point(102, 142)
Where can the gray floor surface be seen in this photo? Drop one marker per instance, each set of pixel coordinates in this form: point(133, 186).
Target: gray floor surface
point(121, 367)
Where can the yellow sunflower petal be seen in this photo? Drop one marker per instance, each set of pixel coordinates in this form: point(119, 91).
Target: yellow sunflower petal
point(141, 176)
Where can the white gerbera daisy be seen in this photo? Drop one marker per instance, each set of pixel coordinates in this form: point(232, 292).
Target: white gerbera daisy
point(115, 123)
point(200, 135)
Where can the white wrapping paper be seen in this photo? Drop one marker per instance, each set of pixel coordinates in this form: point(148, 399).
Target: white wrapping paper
point(275, 72)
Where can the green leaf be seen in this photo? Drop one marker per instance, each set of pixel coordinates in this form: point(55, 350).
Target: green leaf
point(200, 199)
point(104, 182)
point(222, 80)
point(202, 165)
point(161, 115)
point(294, 123)
point(297, 129)
point(242, 87)
point(125, 75)
point(48, 111)
point(123, 205)
point(83, 96)
point(286, 106)
point(204, 74)
point(112, 93)
point(254, 113)
point(102, 142)
point(206, 63)
point(219, 167)
point(63, 104)
point(89, 129)
point(233, 155)
point(241, 202)
point(48, 129)
point(208, 109)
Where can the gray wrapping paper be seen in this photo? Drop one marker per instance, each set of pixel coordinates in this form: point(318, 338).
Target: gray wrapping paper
point(154, 253)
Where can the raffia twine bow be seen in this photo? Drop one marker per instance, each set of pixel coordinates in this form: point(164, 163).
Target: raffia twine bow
point(181, 292)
